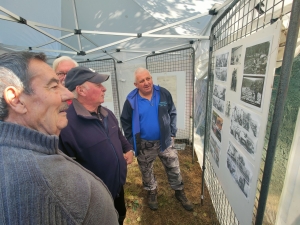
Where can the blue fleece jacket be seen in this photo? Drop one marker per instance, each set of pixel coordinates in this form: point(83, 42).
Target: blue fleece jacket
point(166, 115)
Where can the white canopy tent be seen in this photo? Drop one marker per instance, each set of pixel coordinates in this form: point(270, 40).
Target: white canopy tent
point(127, 30)
point(96, 29)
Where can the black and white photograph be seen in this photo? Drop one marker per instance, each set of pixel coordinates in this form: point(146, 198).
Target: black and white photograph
point(256, 59)
point(228, 109)
point(216, 125)
point(221, 74)
point(219, 97)
point(214, 149)
point(244, 128)
point(239, 168)
point(222, 60)
point(236, 55)
point(233, 79)
point(252, 90)
point(218, 104)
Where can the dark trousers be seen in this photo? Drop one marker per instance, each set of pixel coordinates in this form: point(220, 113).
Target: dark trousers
point(120, 206)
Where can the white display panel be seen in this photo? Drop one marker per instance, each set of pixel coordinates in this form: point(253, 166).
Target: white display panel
point(175, 83)
point(244, 74)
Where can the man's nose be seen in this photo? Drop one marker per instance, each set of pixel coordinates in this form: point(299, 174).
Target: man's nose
point(66, 94)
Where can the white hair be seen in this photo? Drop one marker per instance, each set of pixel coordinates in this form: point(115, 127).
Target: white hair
point(63, 58)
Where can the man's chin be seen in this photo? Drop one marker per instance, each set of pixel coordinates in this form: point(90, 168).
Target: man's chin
point(62, 124)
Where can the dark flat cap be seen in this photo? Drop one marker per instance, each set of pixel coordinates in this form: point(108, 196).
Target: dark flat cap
point(80, 74)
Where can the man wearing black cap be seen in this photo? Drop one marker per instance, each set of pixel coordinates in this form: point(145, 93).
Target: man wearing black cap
point(93, 137)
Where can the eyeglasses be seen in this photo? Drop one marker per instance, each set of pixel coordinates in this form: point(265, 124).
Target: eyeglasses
point(60, 74)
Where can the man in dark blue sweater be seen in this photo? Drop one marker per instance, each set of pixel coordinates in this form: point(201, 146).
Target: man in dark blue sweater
point(93, 137)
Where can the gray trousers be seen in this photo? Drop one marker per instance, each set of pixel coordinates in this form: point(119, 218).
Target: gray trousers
point(169, 158)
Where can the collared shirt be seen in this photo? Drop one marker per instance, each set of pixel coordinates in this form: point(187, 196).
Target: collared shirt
point(148, 113)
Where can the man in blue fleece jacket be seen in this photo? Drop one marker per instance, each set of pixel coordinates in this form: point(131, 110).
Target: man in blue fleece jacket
point(93, 137)
point(39, 184)
point(149, 123)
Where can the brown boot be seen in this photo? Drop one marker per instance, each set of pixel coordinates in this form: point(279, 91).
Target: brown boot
point(180, 195)
point(152, 199)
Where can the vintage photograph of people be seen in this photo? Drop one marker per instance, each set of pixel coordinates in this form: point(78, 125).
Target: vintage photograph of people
point(219, 97)
point(256, 58)
point(244, 127)
point(236, 55)
point(240, 168)
point(252, 90)
point(215, 149)
point(217, 124)
point(221, 67)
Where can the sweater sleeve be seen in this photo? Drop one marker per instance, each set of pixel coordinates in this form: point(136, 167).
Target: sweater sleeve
point(84, 197)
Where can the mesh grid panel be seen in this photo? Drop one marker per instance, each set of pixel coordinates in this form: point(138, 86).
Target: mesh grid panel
point(172, 61)
point(243, 18)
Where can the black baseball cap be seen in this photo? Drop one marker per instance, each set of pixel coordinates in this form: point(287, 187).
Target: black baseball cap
point(80, 74)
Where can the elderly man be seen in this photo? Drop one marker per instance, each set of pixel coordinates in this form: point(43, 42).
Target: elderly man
point(149, 122)
point(93, 137)
point(62, 65)
point(39, 184)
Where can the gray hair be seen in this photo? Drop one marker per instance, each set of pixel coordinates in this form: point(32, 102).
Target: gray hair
point(14, 72)
point(63, 58)
point(7, 78)
point(140, 70)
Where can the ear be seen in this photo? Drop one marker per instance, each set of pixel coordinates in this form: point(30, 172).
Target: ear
point(12, 98)
point(135, 84)
point(80, 90)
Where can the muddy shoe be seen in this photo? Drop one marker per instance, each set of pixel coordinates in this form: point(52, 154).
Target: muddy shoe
point(180, 195)
point(152, 199)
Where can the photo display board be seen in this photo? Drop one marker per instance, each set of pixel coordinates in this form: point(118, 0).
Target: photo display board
point(243, 80)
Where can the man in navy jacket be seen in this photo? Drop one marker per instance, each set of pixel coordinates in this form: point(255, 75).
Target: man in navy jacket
point(149, 123)
point(93, 137)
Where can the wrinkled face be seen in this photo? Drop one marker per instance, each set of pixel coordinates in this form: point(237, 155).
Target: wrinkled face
point(46, 106)
point(143, 82)
point(62, 69)
point(94, 93)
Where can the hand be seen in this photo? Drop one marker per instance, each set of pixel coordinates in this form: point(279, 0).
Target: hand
point(128, 156)
point(173, 142)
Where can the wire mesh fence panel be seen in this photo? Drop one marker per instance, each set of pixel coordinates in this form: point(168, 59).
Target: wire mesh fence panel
point(242, 19)
point(174, 70)
point(111, 95)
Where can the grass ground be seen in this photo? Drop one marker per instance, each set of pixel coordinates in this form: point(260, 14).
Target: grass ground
point(170, 211)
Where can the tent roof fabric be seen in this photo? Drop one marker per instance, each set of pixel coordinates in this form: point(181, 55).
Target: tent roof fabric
point(102, 28)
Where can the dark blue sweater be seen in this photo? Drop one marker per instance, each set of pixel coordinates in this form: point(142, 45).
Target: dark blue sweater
point(100, 151)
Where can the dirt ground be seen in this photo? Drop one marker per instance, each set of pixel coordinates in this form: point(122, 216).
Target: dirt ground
point(170, 211)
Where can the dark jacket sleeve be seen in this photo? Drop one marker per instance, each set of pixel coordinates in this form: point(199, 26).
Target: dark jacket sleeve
point(173, 115)
point(126, 121)
point(126, 146)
